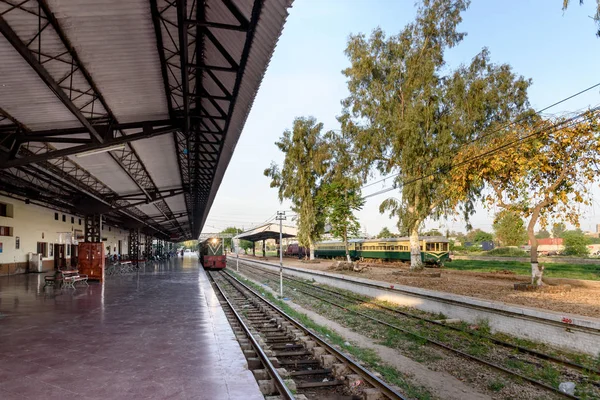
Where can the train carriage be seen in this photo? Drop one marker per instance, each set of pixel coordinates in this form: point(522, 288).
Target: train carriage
point(434, 249)
point(212, 255)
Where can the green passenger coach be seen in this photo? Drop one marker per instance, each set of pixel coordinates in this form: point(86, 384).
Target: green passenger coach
point(434, 249)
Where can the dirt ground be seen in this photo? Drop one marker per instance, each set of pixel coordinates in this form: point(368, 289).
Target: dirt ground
point(583, 299)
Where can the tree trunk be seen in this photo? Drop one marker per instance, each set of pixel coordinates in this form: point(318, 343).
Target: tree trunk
point(416, 264)
point(312, 249)
point(346, 245)
point(536, 271)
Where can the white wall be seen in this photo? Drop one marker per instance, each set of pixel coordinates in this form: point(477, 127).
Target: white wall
point(34, 224)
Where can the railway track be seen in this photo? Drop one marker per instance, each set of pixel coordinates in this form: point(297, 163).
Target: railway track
point(288, 360)
point(572, 370)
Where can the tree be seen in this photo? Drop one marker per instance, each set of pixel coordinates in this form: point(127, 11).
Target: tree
point(477, 236)
point(340, 194)
point(575, 243)
point(432, 232)
point(244, 244)
point(384, 233)
point(301, 175)
point(543, 234)
point(558, 228)
point(596, 16)
point(537, 169)
point(509, 228)
point(409, 112)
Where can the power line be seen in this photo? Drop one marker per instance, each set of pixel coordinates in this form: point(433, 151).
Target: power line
point(490, 152)
point(502, 128)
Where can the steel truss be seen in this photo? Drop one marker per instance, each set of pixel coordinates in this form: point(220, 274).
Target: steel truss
point(93, 228)
point(134, 245)
point(200, 97)
point(63, 72)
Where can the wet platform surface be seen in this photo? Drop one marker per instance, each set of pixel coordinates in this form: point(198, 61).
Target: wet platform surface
point(157, 334)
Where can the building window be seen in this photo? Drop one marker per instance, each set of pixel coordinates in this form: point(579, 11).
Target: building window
point(42, 248)
point(72, 220)
point(109, 228)
point(5, 231)
point(17, 243)
point(56, 216)
point(79, 221)
point(68, 250)
point(64, 218)
point(6, 210)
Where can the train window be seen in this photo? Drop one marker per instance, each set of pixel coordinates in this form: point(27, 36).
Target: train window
point(444, 246)
point(429, 247)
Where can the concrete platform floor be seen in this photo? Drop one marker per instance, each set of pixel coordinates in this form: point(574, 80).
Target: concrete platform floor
point(158, 334)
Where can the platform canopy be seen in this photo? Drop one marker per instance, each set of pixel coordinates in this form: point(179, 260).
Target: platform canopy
point(131, 109)
point(268, 231)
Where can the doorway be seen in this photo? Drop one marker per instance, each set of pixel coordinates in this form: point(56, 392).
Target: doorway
point(60, 256)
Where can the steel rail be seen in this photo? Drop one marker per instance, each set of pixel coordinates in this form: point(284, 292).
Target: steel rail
point(397, 290)
point(284, 391)
point(446, 347)
point(503, 343)
point(369, 377)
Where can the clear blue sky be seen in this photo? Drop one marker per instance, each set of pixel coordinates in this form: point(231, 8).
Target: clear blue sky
point(559, 51)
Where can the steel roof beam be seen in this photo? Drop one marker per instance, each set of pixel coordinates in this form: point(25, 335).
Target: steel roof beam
point(28, 56)
point(256, 10)
point(217, 25)
point(85, 148)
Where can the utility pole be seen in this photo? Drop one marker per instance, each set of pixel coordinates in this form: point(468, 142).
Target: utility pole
point(280, 217)
point(237, 255)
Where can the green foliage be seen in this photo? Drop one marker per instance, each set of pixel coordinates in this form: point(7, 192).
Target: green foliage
point(189, 244)
point(384, 233)
point(477, 236)
point(543, 234)
point(554, 270)
point(244, 244)
point(340, 193)
point(558, 229)
point(507, 252)
point(595, 17)
point(432, 232)
point(510, 228)
point(575, 243)
point(409, 113)
point(299, 180)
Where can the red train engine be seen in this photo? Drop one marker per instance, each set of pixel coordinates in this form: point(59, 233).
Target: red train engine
point(212, 254)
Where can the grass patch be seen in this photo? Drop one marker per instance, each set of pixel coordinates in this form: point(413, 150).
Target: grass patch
point(573, 271)
point(496, 385)
point(368, 357)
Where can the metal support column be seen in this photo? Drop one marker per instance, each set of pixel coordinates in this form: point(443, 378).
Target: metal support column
point(264, 249)
point(147, 247)
point(134, 246)
point(93, 228)
point(159, 248)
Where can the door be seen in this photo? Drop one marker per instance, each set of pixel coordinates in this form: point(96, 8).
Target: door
point(60, 257)
point(74, 255)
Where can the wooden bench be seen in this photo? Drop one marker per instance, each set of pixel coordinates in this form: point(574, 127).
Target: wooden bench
point(71, 277)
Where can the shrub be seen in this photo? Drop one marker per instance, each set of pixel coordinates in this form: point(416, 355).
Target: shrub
point(507, 252)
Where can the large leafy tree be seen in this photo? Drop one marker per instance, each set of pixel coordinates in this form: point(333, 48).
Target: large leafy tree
point(542, 234)
point(244, 244)
point(509, 228)
point(340, 194)
point(478, 236)
point(596, 16)
point(299, 179)
point(409, 112)
point(537, 170)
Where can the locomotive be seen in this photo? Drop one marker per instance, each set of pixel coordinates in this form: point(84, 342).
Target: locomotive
point(212, 254)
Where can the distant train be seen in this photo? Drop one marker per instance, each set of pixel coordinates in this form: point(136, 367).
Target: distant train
point(434, 249)
point(211, 254)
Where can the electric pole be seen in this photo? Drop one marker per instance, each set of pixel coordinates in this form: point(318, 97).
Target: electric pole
point(280, 217)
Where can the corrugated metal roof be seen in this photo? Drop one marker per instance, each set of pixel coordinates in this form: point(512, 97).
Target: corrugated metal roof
point(115, 40)
point(19, 85)
point(160, 157)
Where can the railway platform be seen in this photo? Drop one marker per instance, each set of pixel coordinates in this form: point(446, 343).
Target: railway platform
point(156, 334)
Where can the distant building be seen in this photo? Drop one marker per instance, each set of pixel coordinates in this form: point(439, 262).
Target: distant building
point(550, 245)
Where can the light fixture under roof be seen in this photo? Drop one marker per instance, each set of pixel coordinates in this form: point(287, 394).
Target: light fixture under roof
point(99, 151)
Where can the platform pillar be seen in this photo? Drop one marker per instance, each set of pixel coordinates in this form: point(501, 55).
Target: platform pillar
point(253, 249)
point(93, 228)
point(264, 249)
point(134, 246)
